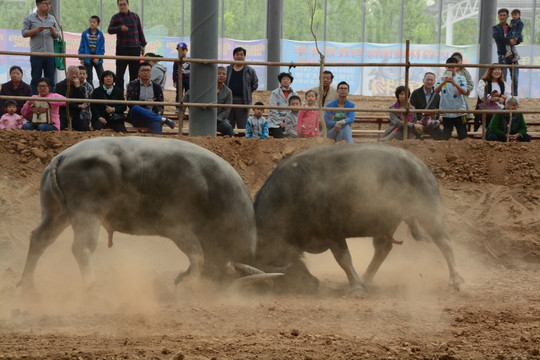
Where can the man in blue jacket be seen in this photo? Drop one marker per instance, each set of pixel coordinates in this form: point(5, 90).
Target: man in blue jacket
point(499, 33)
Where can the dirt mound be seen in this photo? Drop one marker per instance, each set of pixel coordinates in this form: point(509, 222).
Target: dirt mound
point(491, 192)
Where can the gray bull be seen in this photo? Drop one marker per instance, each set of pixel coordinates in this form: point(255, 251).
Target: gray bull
point(314, 200)
point(145, 186)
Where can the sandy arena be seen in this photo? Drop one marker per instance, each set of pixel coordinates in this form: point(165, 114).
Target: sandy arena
point(491, 193)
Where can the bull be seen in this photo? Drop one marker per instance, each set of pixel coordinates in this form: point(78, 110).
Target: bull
point(316, 199)
point(146, 186)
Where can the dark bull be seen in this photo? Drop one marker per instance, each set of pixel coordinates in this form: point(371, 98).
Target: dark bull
point(314, 200)
point(146, 186)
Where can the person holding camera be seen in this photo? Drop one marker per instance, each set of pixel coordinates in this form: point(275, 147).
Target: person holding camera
point(452, 87)
point(110, 116)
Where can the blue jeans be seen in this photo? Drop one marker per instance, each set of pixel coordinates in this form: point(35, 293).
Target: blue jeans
point(344, 134)
point(42, 67)
point(40, 127)
point(141, 117)
point(515, 80)
point(89, 71)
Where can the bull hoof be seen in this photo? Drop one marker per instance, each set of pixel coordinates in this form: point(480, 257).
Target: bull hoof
point(357, 290)
point(456, 284)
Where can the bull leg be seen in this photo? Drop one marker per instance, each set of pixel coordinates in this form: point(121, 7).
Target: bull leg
point(442, 240)
point(86, 231)
point(190, 245)
point(382, 246)
point(43, 236)
point(341, 253)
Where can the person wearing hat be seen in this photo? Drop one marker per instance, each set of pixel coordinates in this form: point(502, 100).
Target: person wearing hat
point(183, 49)
point(242, 80)
point(498, 127)
point(279, 97)
point(130, 41)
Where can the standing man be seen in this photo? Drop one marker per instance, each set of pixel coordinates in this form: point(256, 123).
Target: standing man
point(499, 33)
point(329, 92)
point(42, 29)
point(242, 80)
point(182, 87)
point(130, 41)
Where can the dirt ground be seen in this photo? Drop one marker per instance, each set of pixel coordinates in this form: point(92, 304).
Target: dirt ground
point(491, 193)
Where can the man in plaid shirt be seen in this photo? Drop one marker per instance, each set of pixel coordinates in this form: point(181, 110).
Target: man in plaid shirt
point(130, 41)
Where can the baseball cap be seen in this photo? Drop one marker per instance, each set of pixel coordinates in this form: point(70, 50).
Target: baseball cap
point(182, 45)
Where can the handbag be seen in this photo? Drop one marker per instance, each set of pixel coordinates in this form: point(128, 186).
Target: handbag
point(59, 48)
point(491, 105)
point(43, 117)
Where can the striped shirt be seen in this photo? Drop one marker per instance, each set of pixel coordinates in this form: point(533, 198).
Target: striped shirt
point(132, 38)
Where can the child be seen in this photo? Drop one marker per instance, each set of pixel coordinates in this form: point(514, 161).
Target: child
point(514, 32)
point(92, 43)
point(87, 89)
point(291, 118)
point(11, 120)
point(452, 87)
point(257, 125)
point(308, 120)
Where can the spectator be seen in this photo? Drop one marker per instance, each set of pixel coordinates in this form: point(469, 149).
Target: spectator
point(158, 70)
point(87, 90)
point(397, 119)
point(339, 123)
point(291, 119)
point(10, 119)
point(452, 87)
point(186, 70)
point(130, 41)
point(44, 115)
point(42, 29)
point(224, 96)
point(492, 84)
point(276, 117)
point(105, 115)
point(92, 43)
point(257, 125)
point(499, 33)
point(516, 27)
point(242, 80)
point(329, 92)
point(75, 92)
point(144, 89)
point(15, 87)
point(470, 84)
point(425, 97)
point(308, 120)
point(498, 128)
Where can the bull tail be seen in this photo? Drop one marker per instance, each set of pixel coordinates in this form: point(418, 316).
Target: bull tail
point(55, 189)
point(417, 230)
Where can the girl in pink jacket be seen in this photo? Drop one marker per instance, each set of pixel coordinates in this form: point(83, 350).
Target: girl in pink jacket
point(11, 120)
point(308, 120)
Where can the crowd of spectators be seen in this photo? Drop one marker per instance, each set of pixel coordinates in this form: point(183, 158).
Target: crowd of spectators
point(236, 85)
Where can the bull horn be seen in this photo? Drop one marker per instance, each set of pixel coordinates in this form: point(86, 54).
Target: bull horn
point(248, 269)
point(256, 278)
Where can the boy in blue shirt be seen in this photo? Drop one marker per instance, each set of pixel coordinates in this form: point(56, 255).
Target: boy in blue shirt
point(452, 87)
point(92, 43)
point(257, 125)
point(514, 32)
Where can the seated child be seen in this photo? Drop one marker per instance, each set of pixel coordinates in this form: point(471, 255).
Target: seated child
point(257, 125)
point(291, 119)
point(308, 120)
point(11, 120)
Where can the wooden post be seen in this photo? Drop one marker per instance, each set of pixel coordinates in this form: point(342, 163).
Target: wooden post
point(406, 115)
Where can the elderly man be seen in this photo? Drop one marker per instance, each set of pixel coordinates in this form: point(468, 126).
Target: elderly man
point(42, 29)
point(143, 89)
point(130, 40)
point(242, 80)
point(224, 96)
point(75, 92)
point(329, 92)
point(425, 97)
